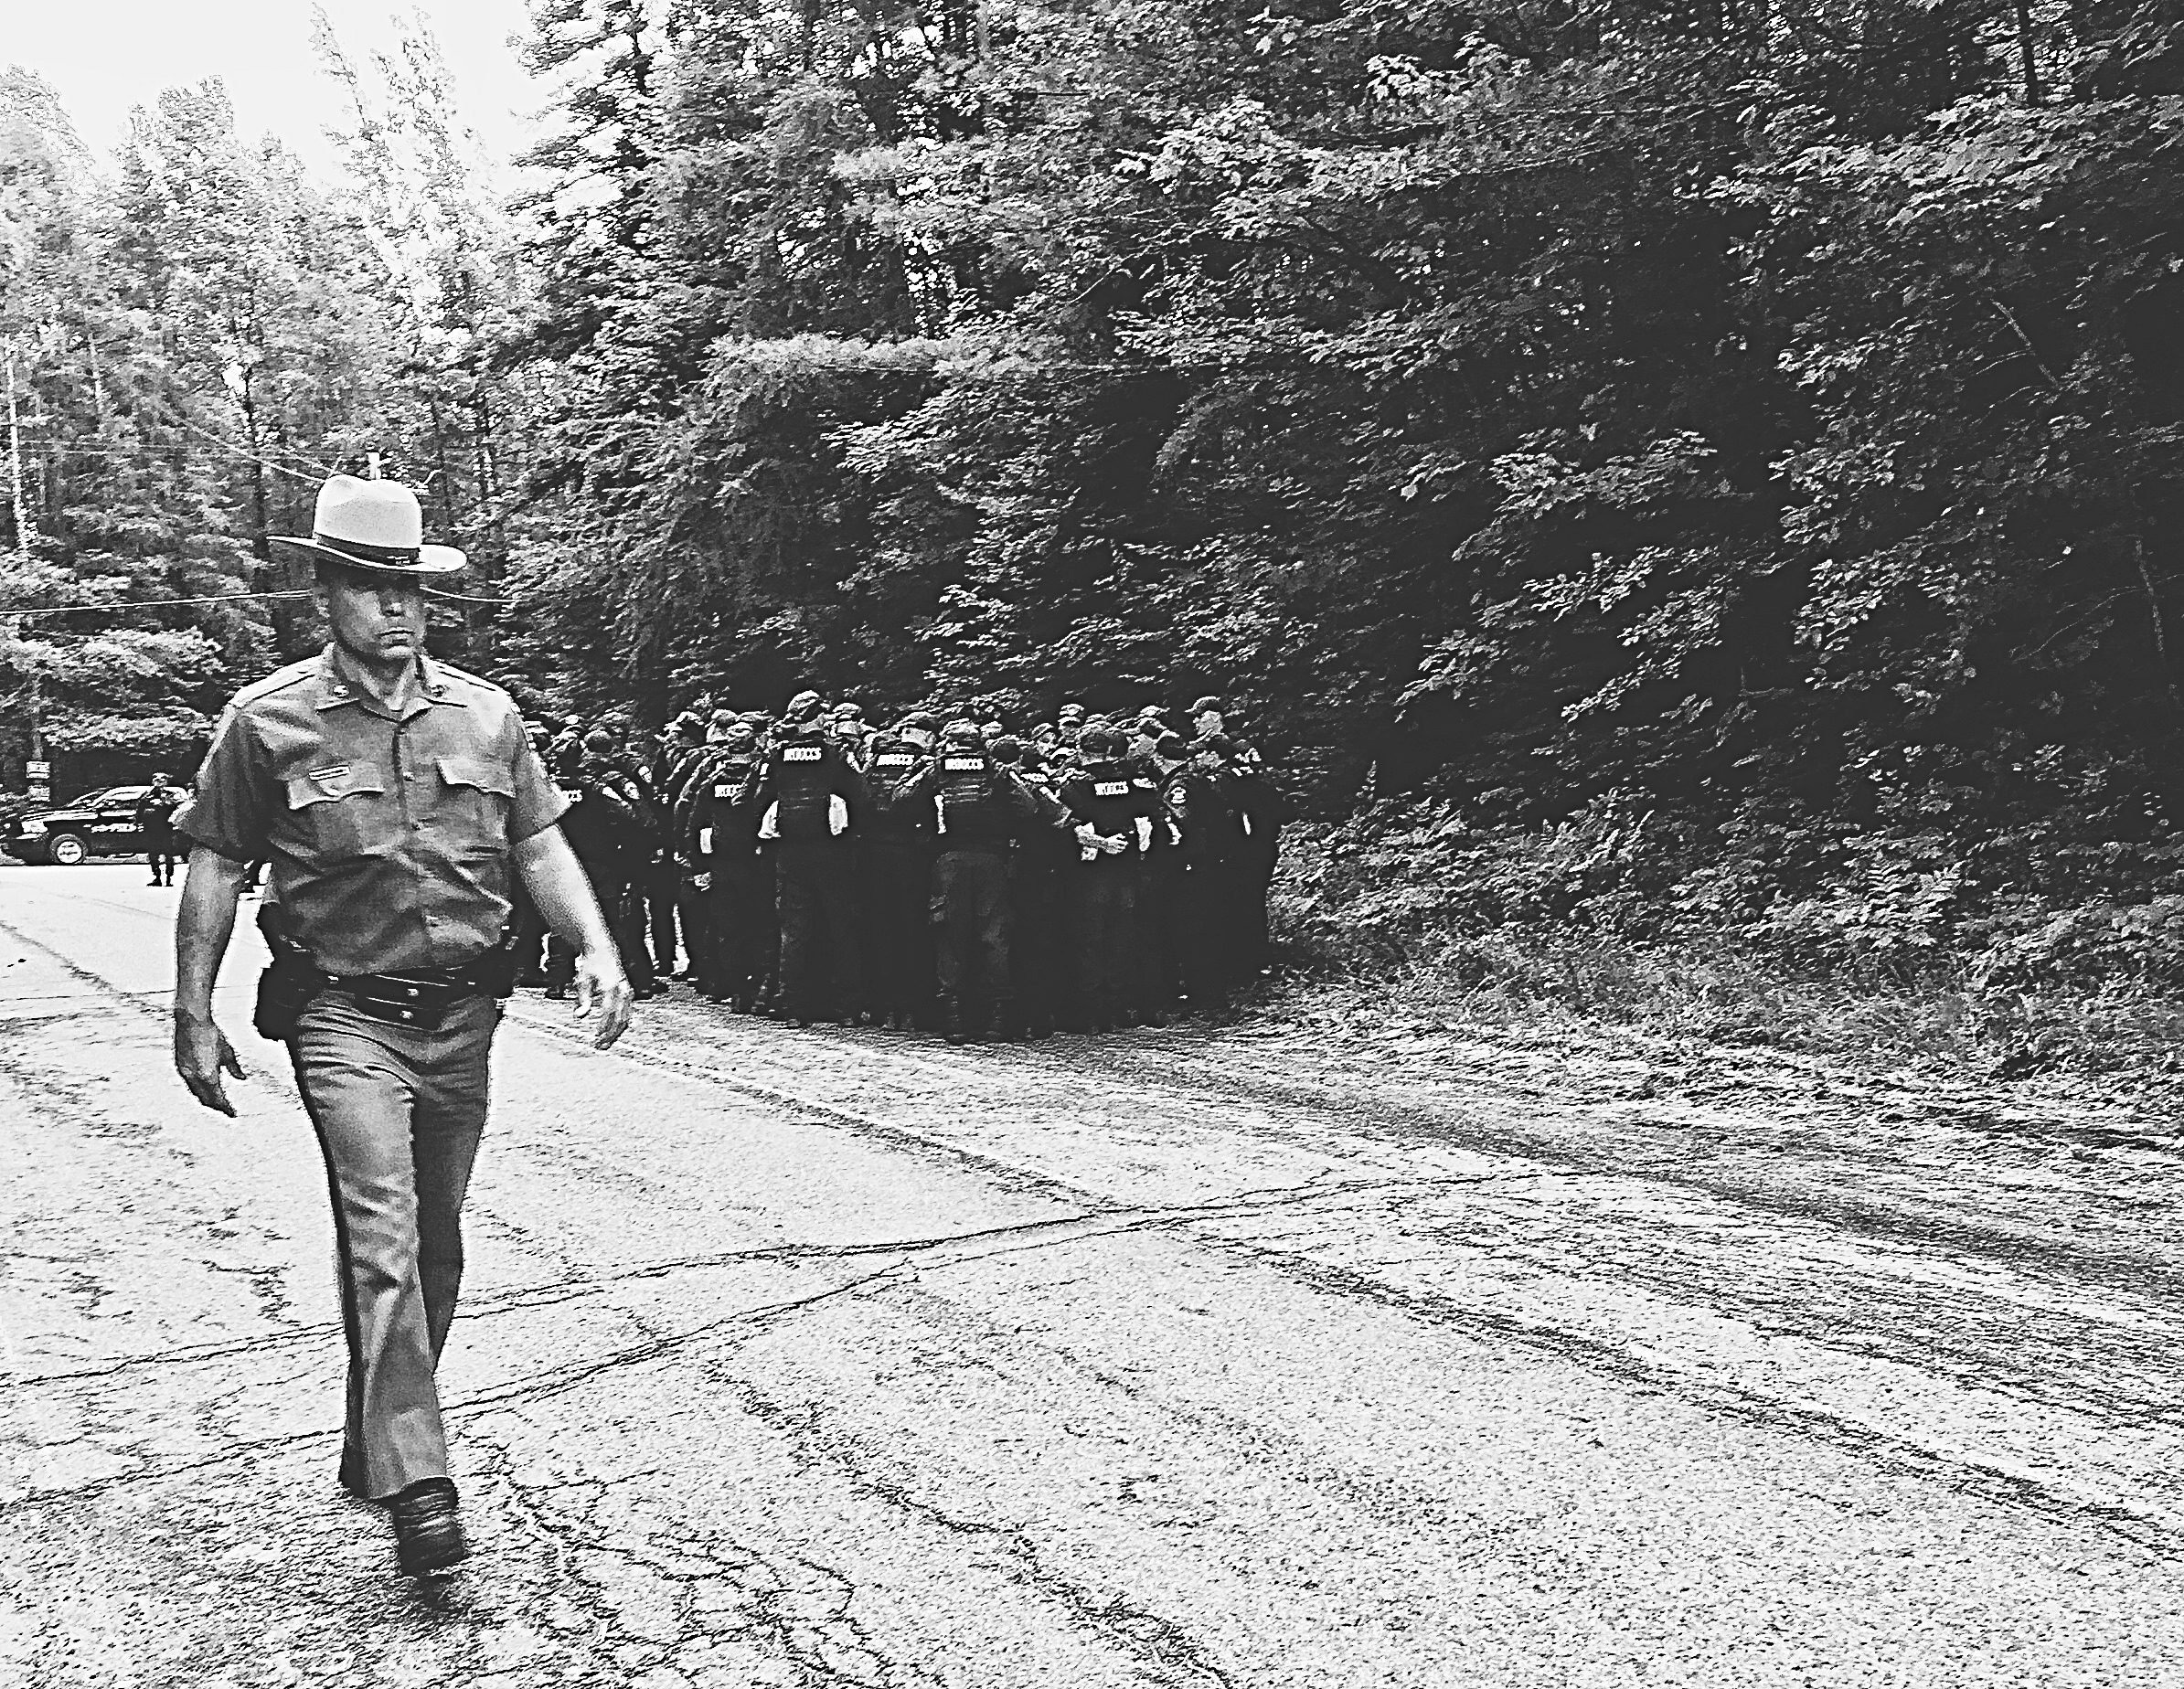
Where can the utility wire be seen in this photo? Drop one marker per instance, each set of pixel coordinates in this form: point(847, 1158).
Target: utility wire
point(120, 604)
point(220, 597)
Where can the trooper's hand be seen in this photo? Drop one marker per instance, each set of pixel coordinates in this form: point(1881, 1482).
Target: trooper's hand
point(602, 989)
point(202, 1054)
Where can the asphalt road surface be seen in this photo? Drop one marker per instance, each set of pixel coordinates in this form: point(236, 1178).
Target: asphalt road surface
point(1178, 1358)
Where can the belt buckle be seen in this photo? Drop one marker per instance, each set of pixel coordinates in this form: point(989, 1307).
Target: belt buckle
point(402, 1003)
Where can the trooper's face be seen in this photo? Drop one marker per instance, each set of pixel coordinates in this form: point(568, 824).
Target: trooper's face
point(377, 618)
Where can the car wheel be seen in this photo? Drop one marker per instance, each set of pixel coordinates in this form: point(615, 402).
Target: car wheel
point(67, 849)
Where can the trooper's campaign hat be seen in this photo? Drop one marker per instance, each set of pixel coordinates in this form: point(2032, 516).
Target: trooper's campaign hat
point(370, 525)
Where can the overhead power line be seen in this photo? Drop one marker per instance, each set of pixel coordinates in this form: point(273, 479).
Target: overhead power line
point(219, 598)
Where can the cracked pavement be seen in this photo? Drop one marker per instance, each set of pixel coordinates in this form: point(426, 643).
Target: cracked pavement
point(1182, 1358)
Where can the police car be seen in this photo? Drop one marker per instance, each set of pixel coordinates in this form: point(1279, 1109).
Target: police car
point(100, 824)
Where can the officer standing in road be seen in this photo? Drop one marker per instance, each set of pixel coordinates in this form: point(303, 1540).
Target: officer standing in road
point(1261, 809)
point(691, 753)
point(1199, 799)
point(895, 838)
point(720, 836)
point(806, 794)
point(1115, 811)
point(1044, 864)
point(398, 800)
point(1162, 917)
point(612, 769)
point(606, 835)
point(980, 809)
point(156, 820)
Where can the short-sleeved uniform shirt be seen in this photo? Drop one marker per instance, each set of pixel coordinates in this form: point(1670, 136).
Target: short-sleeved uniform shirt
point(388, 839)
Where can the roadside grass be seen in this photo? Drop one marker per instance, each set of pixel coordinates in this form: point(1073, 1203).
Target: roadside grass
point(1574, 988)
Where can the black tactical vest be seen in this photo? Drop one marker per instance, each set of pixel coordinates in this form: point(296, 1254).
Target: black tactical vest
point(720, 825)
point(805, 769)
point(1102, 794)
point(974, 813)
point(890, 817)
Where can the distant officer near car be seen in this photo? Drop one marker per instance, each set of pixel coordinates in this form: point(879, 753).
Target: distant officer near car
point(155, 822)
point(397, 799)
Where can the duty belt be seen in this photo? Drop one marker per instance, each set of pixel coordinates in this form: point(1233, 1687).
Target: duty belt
point(421, 1000)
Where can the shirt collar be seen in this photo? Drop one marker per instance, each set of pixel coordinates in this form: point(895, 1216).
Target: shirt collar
point(432, 685)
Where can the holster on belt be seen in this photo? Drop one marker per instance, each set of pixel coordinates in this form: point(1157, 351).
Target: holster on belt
point(422, 999)
point(288, 983)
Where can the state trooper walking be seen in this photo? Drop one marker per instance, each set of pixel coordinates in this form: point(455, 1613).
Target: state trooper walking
point(398, 800)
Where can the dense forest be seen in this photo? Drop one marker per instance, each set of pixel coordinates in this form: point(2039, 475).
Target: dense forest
point(1662, 467)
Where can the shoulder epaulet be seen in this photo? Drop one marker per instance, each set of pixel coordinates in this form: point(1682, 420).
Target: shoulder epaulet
point(468, 679)
point(280, 680)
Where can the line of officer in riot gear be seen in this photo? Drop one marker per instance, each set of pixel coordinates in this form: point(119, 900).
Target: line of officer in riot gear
point(1089, 874)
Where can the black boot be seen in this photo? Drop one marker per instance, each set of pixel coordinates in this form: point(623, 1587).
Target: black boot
point(428, 1531)
point(951, 1020)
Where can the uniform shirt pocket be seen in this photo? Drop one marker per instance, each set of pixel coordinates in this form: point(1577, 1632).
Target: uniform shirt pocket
point(475, 793)
point(341, 809)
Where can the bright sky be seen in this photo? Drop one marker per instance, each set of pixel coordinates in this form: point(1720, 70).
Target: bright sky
point(107, 55)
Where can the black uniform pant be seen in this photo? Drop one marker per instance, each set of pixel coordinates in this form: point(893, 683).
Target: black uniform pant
point(660, 881)
point(160, 848)
point(625, 916)
point(894, 883)
point(1104, 919)
point(694, 915)
point(530, 936)
point(1035, 949)
point(1255, 882)
point(691, 909)
point(970, 917)
point(610, 890)
point(733, 923)
point(1211, 894)
point(1160, 925)
point(815, 900)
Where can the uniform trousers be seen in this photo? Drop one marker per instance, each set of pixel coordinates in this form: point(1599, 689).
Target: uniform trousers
point(894, 881)
point(661, 881)
point(160, 848)
point(399, 1112)
point(625, 916)
point(693, 910)
point(1211, 896)
point(694, 913)
point(733, 925)
point(1103, 897)
point(1034, 951)
point(1160, 919)
point(530, 938)
point(610, 892)
point(814, 898)
point(970, 915)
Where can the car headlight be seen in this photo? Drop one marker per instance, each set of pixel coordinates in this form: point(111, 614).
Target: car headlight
point(33, 826)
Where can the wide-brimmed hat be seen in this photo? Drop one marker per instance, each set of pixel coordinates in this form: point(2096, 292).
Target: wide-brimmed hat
point(371, 525)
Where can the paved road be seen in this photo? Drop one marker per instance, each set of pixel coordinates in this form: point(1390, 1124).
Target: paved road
point(1173, 1359)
